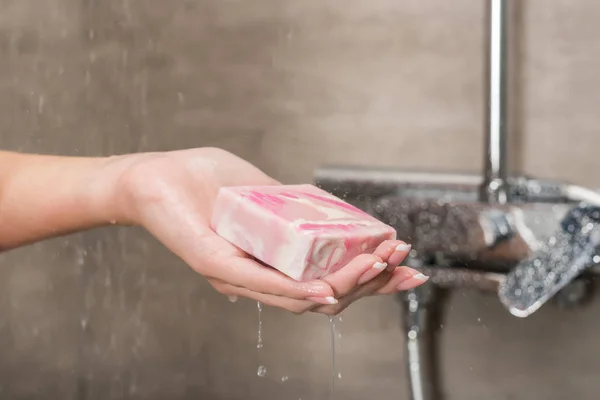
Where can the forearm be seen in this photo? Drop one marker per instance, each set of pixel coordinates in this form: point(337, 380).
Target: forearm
point(47, 196)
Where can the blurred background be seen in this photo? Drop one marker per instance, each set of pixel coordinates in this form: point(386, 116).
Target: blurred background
point(289, 85)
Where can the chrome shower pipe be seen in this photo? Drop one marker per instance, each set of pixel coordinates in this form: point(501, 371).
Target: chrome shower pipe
point(495, 170)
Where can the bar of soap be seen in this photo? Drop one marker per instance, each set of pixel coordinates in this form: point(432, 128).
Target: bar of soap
point(300, 230)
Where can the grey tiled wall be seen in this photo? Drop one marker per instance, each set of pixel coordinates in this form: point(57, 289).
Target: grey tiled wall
point(290, 85)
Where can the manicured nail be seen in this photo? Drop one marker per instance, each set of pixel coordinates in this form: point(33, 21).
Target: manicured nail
point(403, 247)
point(379, 265)
point(372, 272)
point(323, 300)
point(413, 282)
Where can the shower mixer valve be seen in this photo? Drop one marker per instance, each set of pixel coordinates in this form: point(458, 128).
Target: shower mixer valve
point(526, 250)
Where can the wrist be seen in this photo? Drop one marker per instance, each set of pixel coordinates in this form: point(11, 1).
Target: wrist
point(112, 193)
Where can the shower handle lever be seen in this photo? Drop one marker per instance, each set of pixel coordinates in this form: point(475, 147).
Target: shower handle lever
point(571, 250)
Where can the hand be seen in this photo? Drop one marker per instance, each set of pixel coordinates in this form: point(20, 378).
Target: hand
point(172, 195)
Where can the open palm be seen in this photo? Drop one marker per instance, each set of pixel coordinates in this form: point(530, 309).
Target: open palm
point(172, 195)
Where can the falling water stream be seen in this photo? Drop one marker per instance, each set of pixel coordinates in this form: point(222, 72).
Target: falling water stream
point(333, 363)
point(259, 342)
point(262, 370)
point(333, 333)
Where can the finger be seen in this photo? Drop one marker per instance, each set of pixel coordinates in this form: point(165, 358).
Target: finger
point(393, 252)
point(247, 273)
point(347, 291)
point(403, 278)
point(367, 289)
point(315, 301)
point(386, 248)
point(229, 264)
point(400, 253)
point(293, 305)
point(346, 279)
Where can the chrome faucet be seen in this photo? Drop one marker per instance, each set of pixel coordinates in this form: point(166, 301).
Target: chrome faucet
point(523, 238)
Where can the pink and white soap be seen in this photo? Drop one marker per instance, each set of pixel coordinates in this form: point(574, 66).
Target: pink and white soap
point(301, 230)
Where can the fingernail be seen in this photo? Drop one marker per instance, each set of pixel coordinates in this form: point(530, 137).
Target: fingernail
point(323, 300)
point(379, 265)
point(403, 247)
point(413, 282)
point(372, 272)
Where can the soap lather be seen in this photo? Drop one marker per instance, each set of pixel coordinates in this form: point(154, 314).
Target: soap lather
point(300, 230)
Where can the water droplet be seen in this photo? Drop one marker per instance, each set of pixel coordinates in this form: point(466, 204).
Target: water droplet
point(284, 378)
point(339, 375)
point(588, 227)
point(233, 299)
point(262, 371)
